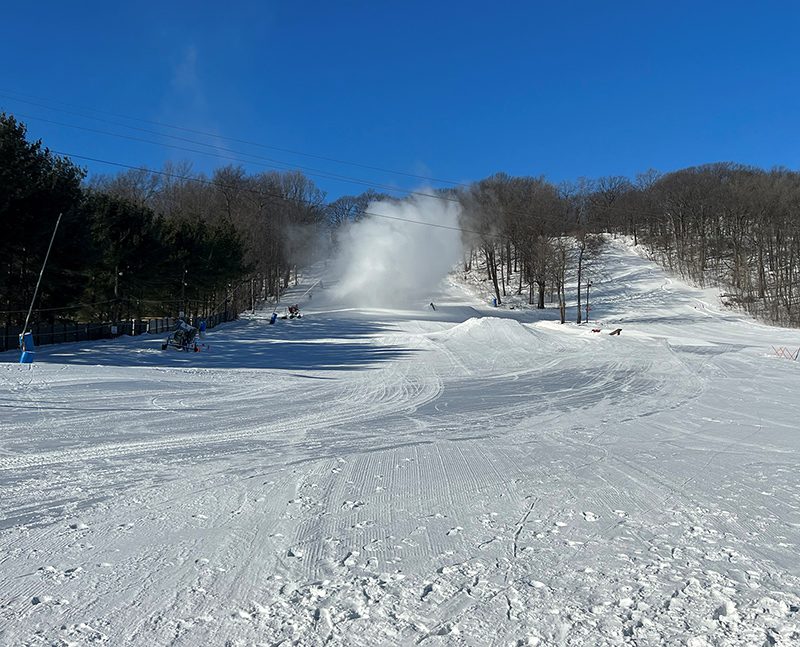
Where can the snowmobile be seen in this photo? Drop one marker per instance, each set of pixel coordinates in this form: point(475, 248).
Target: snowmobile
point(183, 338)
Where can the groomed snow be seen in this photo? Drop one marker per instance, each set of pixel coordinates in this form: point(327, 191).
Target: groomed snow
point(464, 476)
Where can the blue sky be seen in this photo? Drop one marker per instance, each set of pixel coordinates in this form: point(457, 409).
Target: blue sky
point(450, 90)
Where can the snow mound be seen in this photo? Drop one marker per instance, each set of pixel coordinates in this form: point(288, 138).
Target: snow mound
point(494, 345)
point(488, 329)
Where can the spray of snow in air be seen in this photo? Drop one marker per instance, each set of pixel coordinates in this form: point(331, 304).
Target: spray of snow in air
point(394, 257)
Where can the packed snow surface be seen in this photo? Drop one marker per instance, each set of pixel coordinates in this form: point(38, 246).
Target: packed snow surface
point(463, 476)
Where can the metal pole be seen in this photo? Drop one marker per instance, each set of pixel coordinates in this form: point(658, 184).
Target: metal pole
point(183, 293)
point(38, 283)
point(588, 285)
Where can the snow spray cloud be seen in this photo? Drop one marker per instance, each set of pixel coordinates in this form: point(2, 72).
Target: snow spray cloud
point(394, 257)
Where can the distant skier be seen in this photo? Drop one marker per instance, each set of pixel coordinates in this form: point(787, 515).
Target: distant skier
point(433, 307)
point(202, 328)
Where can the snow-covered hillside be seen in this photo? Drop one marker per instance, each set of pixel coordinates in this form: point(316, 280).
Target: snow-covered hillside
point(463, 476)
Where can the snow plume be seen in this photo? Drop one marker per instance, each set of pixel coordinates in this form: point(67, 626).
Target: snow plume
point(394, 257)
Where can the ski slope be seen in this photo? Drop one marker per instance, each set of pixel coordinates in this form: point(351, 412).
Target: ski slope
point(463, 476)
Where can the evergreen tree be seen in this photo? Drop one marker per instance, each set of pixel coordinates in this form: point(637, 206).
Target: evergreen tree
point(35, 186)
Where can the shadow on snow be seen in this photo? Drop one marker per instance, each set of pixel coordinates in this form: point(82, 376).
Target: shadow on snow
point(306, 344)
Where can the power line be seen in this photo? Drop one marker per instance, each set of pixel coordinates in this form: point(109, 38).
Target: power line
point(436, 196)
point(279, 196)
point(10, 95)
point(274, 164)
point(76, 306)
point(281, 165)
point(269, 194)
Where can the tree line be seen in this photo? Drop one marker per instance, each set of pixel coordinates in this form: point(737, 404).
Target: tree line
point(726, 225)
point(149, 243)
point(145, 243)
point(530, 235)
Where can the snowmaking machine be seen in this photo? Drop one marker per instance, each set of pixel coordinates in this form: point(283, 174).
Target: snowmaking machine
point(184, 338)
point(293, 312)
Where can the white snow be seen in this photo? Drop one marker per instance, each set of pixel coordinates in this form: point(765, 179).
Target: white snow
point(396, 254)
point(463, 476)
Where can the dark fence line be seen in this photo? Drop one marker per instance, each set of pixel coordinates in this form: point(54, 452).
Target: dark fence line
point(72, 331)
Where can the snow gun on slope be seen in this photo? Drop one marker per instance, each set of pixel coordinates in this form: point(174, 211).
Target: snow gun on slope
point(293, 312)
point(184, 338)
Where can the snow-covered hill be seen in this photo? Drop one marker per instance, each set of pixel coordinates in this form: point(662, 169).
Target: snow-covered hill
point(458, 476)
